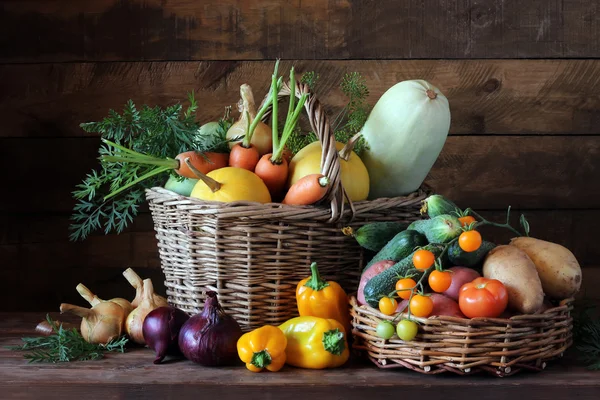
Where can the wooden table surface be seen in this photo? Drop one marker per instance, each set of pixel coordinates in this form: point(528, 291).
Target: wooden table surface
point(133, 376)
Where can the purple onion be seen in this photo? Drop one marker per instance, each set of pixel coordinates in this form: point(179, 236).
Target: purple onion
point(161, 331)
point(210, 338)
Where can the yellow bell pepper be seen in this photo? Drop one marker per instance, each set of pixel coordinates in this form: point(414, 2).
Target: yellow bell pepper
point(263, 348)
point(326, 299)
point(315, 343)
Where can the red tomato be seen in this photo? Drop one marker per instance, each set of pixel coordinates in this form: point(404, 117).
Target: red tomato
point(483, 297)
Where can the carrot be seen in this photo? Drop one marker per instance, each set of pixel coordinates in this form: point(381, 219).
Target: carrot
point(204, 162)
point(307, 190)
point(244, 157)
point(274, 175)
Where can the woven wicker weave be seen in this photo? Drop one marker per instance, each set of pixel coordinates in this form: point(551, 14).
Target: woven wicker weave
point(500, 347)
point(253, 255)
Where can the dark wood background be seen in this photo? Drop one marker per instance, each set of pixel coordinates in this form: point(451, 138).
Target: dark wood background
point(522, 78)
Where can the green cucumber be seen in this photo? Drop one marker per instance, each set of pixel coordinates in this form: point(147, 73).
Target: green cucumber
point(399, 247)
point(385, 282)
point(459, 257)
point(437, 204)
point(375, 235)
point(440, 229)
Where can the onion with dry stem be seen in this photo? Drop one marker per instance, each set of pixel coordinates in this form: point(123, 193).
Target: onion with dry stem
point(135, 320)
point(138, 284)
point(100, 324)
point(93, 299)
point(249, 126)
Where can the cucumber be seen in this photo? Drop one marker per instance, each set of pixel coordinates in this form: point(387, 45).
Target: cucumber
point(385, 283)
point(440, 229)
point(399, 247)
point(375, 235)
point(461, 258)
point(437, 204)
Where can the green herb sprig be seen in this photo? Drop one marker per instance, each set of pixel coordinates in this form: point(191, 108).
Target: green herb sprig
point(348, 121)
point(156, 131)
point(66, 345)
point(586, 334)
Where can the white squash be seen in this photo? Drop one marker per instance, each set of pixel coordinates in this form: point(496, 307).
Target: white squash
point(405, 131)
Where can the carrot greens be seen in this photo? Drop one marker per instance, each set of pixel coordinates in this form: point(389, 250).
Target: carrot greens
point(158, 132)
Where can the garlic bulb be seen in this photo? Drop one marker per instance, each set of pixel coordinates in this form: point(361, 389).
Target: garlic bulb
point(261, 135)
point(100, 324)
point(135, 320)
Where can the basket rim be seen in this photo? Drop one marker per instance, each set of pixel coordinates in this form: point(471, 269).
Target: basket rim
point(160, 195)
point(440, 319)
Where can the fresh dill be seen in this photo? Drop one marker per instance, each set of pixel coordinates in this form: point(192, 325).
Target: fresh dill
point(156, 131)
point(586, 335)
point(66, 345)
point(348, 121)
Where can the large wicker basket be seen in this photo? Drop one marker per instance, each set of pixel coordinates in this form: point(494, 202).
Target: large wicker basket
point(253, 255)
point(500, 347)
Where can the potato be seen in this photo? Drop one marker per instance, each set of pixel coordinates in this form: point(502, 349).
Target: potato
point(444, 305)
point(516, 271)
point(460, 276)
point(559, 271)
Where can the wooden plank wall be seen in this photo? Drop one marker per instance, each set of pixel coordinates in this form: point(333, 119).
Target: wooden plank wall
point(522, 79)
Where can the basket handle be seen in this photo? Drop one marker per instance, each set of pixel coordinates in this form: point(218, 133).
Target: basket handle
point(330, 160)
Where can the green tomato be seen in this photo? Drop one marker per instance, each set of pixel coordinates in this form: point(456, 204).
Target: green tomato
point(183, 187)
point(407, 330)
point(385, 330)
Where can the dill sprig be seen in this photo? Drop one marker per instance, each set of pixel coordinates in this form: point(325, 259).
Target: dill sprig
point(348, 121)
point(156, 131)
point(66, 345)
point(586, 335)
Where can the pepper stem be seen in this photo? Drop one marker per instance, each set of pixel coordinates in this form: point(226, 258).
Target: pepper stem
point(210, 182)
point(261, 359)
point(315, 282)
point(333, 342)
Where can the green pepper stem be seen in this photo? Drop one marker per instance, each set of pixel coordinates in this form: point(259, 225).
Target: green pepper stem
point(333, 342)
point(261, 359)
point(315, 282)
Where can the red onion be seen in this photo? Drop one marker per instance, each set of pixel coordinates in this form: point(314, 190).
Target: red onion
point(210, 338)
point(161, 331)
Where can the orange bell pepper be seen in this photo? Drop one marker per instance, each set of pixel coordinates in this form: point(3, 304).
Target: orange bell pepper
point(263, 348)
point(325, 299)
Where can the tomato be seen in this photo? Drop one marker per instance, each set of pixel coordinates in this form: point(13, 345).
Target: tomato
point(387, 305)
point(407, 330)
point(423, 259)
point(385, 330)
point(421, 306)
point(403, 285)
point(483, 297)
point(466, 220)
point(469, 241)
point(440, 281)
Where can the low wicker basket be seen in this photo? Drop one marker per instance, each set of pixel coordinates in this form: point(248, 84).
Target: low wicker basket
point(500, 347)
point(253, 255)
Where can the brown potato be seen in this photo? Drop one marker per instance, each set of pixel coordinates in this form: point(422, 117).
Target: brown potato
point(517, 272)
point(559, 271)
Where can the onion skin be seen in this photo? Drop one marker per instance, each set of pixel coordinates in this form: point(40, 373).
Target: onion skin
point(161, 331)
point(210, 338)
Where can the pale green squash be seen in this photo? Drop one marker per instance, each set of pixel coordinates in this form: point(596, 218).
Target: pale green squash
point(405, 131)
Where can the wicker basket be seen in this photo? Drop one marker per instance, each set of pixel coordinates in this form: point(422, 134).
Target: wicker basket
point(500, 347)
point(253, 255)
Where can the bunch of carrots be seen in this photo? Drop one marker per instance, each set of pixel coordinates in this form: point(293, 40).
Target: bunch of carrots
point(271, 167)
